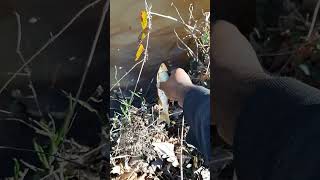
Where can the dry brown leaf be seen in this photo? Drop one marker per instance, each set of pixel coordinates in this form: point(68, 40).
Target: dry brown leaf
point(129, 176)
point(143, 177)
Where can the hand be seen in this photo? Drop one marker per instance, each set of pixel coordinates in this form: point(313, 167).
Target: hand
point(177, 86)
point(235, 68)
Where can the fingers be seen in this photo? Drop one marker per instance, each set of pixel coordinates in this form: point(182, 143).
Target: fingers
point(174, 71)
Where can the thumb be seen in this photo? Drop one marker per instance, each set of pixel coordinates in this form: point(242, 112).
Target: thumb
point(164, 86)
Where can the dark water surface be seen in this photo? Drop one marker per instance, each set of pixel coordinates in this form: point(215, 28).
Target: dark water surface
point(58, 68)
point(125, 29)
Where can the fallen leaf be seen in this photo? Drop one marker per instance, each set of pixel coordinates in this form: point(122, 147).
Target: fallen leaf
point(144, 19)
point(129, 176)
point(116, 170)
point(166, 151)
point(142, 177)
point(143, 35)
point(203, 172)
point(157, 164)
point(139, 52)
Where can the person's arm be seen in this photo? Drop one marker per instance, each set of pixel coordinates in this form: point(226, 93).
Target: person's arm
point(277, 132)
point(196, 110)
point(272, 122)
point(195, 101)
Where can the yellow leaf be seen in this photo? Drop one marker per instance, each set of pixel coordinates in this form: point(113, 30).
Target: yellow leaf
point(143, 35)
point(144, 19)
point(139, 52)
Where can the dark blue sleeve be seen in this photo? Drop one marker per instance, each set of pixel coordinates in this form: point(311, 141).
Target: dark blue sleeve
point(196, 109)
point(277, 134)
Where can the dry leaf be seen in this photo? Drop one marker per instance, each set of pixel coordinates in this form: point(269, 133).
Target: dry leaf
point(129, 176)
point(144, 25)
point(139, 52)
point(166, 151)
point(142, 177)
point(143, 35)
point(116, 170)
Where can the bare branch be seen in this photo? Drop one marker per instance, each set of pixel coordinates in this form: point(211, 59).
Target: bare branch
point(314, 19)
point(93, 49)
point(27, 69)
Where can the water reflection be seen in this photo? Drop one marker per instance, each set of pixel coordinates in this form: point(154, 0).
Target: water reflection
point(125, 29)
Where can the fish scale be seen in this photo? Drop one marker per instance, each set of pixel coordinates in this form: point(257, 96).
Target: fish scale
point(163, 76)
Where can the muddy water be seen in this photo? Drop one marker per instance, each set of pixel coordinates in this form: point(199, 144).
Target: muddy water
point(125, 29)
point(58, 68)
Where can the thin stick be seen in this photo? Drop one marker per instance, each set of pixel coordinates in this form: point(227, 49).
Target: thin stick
point(116, 78)
point(314, 19)
point(181, 150)
point(171, 18)
point(125, 75)
point(160, 15)
point(34, 151)
point(50, 174)
point(48, 43)
point(164, 16)
point(145, 58)
point(5, 112)
point(182, 21)
point(28, 69)
point(188, 48)
point(93, 48)
point(156, 14)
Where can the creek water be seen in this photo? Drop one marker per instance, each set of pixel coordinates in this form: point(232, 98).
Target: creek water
point(125, 29)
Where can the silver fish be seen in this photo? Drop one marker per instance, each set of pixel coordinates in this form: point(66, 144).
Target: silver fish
point(163, 76)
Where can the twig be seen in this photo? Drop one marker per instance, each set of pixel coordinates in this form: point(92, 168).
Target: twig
point(5, 112)
point(125, 75)
point(93, 48)
point(120, 157)
point(143, 61)
point(41, 152)
point(18, 74)
point(48, 43)
point(50, 174)
point(314, 19)
point(145, 58)
point(171, 18)
point(164, 16)
point(188, 48)
point(181, 149)
point(28, 69)
point(182, 21)
point(30, 166)
point(93, 151)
